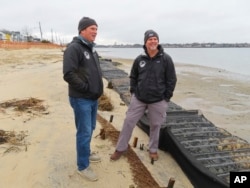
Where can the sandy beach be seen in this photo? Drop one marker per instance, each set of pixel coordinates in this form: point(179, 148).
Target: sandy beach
point(46, 156)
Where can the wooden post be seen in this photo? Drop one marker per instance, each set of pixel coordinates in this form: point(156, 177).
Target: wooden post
point(171, 183)
point(111, 118)
point(135, 142)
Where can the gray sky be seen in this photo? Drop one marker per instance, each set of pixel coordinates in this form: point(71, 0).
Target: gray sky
point(176, 21)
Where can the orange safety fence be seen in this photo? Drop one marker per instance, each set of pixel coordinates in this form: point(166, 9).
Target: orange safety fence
point(27, 45)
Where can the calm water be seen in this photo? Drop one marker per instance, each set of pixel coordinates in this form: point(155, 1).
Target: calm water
point(235, 60)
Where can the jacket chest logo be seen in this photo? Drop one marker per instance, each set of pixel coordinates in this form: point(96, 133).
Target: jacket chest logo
point(142, 64)
point(86, 54)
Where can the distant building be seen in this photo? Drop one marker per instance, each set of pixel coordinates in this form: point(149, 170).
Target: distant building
point(2, 35)
point(5, 35)
point(16, 36)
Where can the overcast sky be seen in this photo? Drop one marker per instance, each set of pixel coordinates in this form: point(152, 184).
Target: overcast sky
point(176, 21)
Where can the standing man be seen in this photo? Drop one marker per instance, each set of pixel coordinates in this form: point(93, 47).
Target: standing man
point(81, 70)
point(152, 83)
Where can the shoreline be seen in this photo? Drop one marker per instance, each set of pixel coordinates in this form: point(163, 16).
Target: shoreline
point(50, 157)
point(223, 97)
point(201, 69)
point(225, 59)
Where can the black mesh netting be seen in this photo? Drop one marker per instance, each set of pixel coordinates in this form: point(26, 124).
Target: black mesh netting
point(205, 152)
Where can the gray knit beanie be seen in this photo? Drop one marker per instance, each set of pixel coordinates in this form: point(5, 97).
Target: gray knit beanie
point(150, 33)
point(85, 22)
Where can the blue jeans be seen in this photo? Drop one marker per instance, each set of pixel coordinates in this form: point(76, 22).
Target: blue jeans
point(85, 111)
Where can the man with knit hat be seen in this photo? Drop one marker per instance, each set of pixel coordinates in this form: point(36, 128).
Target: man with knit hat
point(82, 72)
point(152, 83)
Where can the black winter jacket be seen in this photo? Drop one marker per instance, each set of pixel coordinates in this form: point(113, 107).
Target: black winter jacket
point(153, 79)
point(81, 70)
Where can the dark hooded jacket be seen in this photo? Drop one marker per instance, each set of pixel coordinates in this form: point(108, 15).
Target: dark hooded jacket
point(81, 70)
point(153, 79)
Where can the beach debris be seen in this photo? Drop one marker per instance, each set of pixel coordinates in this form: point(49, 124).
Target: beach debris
point(104, 103)
point(12, 137)
point(13, 140)
point(110, 85)
point(2, 137)
point(121, 172)
point(24, 105)
point(142, 177)
point(171, 182)
point(104, 59)
point(111, 118)
point(152, 161)
point(141, 146)
point(135, 142)
point(102, 134)
point(30, 107)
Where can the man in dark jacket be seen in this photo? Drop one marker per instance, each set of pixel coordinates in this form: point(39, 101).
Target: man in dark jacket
point(81, 70)
point(152, 83)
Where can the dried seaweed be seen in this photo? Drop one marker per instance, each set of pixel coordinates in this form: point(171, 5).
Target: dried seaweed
point(105, 104)
point(31, 106)
point(141, 175)
point(24, 105)
point(14, 140)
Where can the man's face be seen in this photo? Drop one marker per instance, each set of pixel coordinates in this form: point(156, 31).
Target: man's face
point(90, 33)
point(152, 43)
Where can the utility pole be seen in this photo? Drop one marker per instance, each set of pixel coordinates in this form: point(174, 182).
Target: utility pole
point(41, 31)
point(52, 39)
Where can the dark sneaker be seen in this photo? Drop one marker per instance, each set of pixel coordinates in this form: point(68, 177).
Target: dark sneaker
point(88, 174)
point(94, 157)
point(117, 155)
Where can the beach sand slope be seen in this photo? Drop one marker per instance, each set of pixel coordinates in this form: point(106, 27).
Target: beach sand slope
point(47, 158)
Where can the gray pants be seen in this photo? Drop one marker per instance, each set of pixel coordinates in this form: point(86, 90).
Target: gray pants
point(136, 109)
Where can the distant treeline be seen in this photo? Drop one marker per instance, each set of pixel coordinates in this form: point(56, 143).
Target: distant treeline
point(186, 45)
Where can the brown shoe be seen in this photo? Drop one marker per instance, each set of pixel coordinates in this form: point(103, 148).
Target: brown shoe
point(116, 155)
point(154, 156)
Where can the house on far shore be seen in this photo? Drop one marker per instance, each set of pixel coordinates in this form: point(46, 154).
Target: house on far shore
point(2, 36)
point(14, 36)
